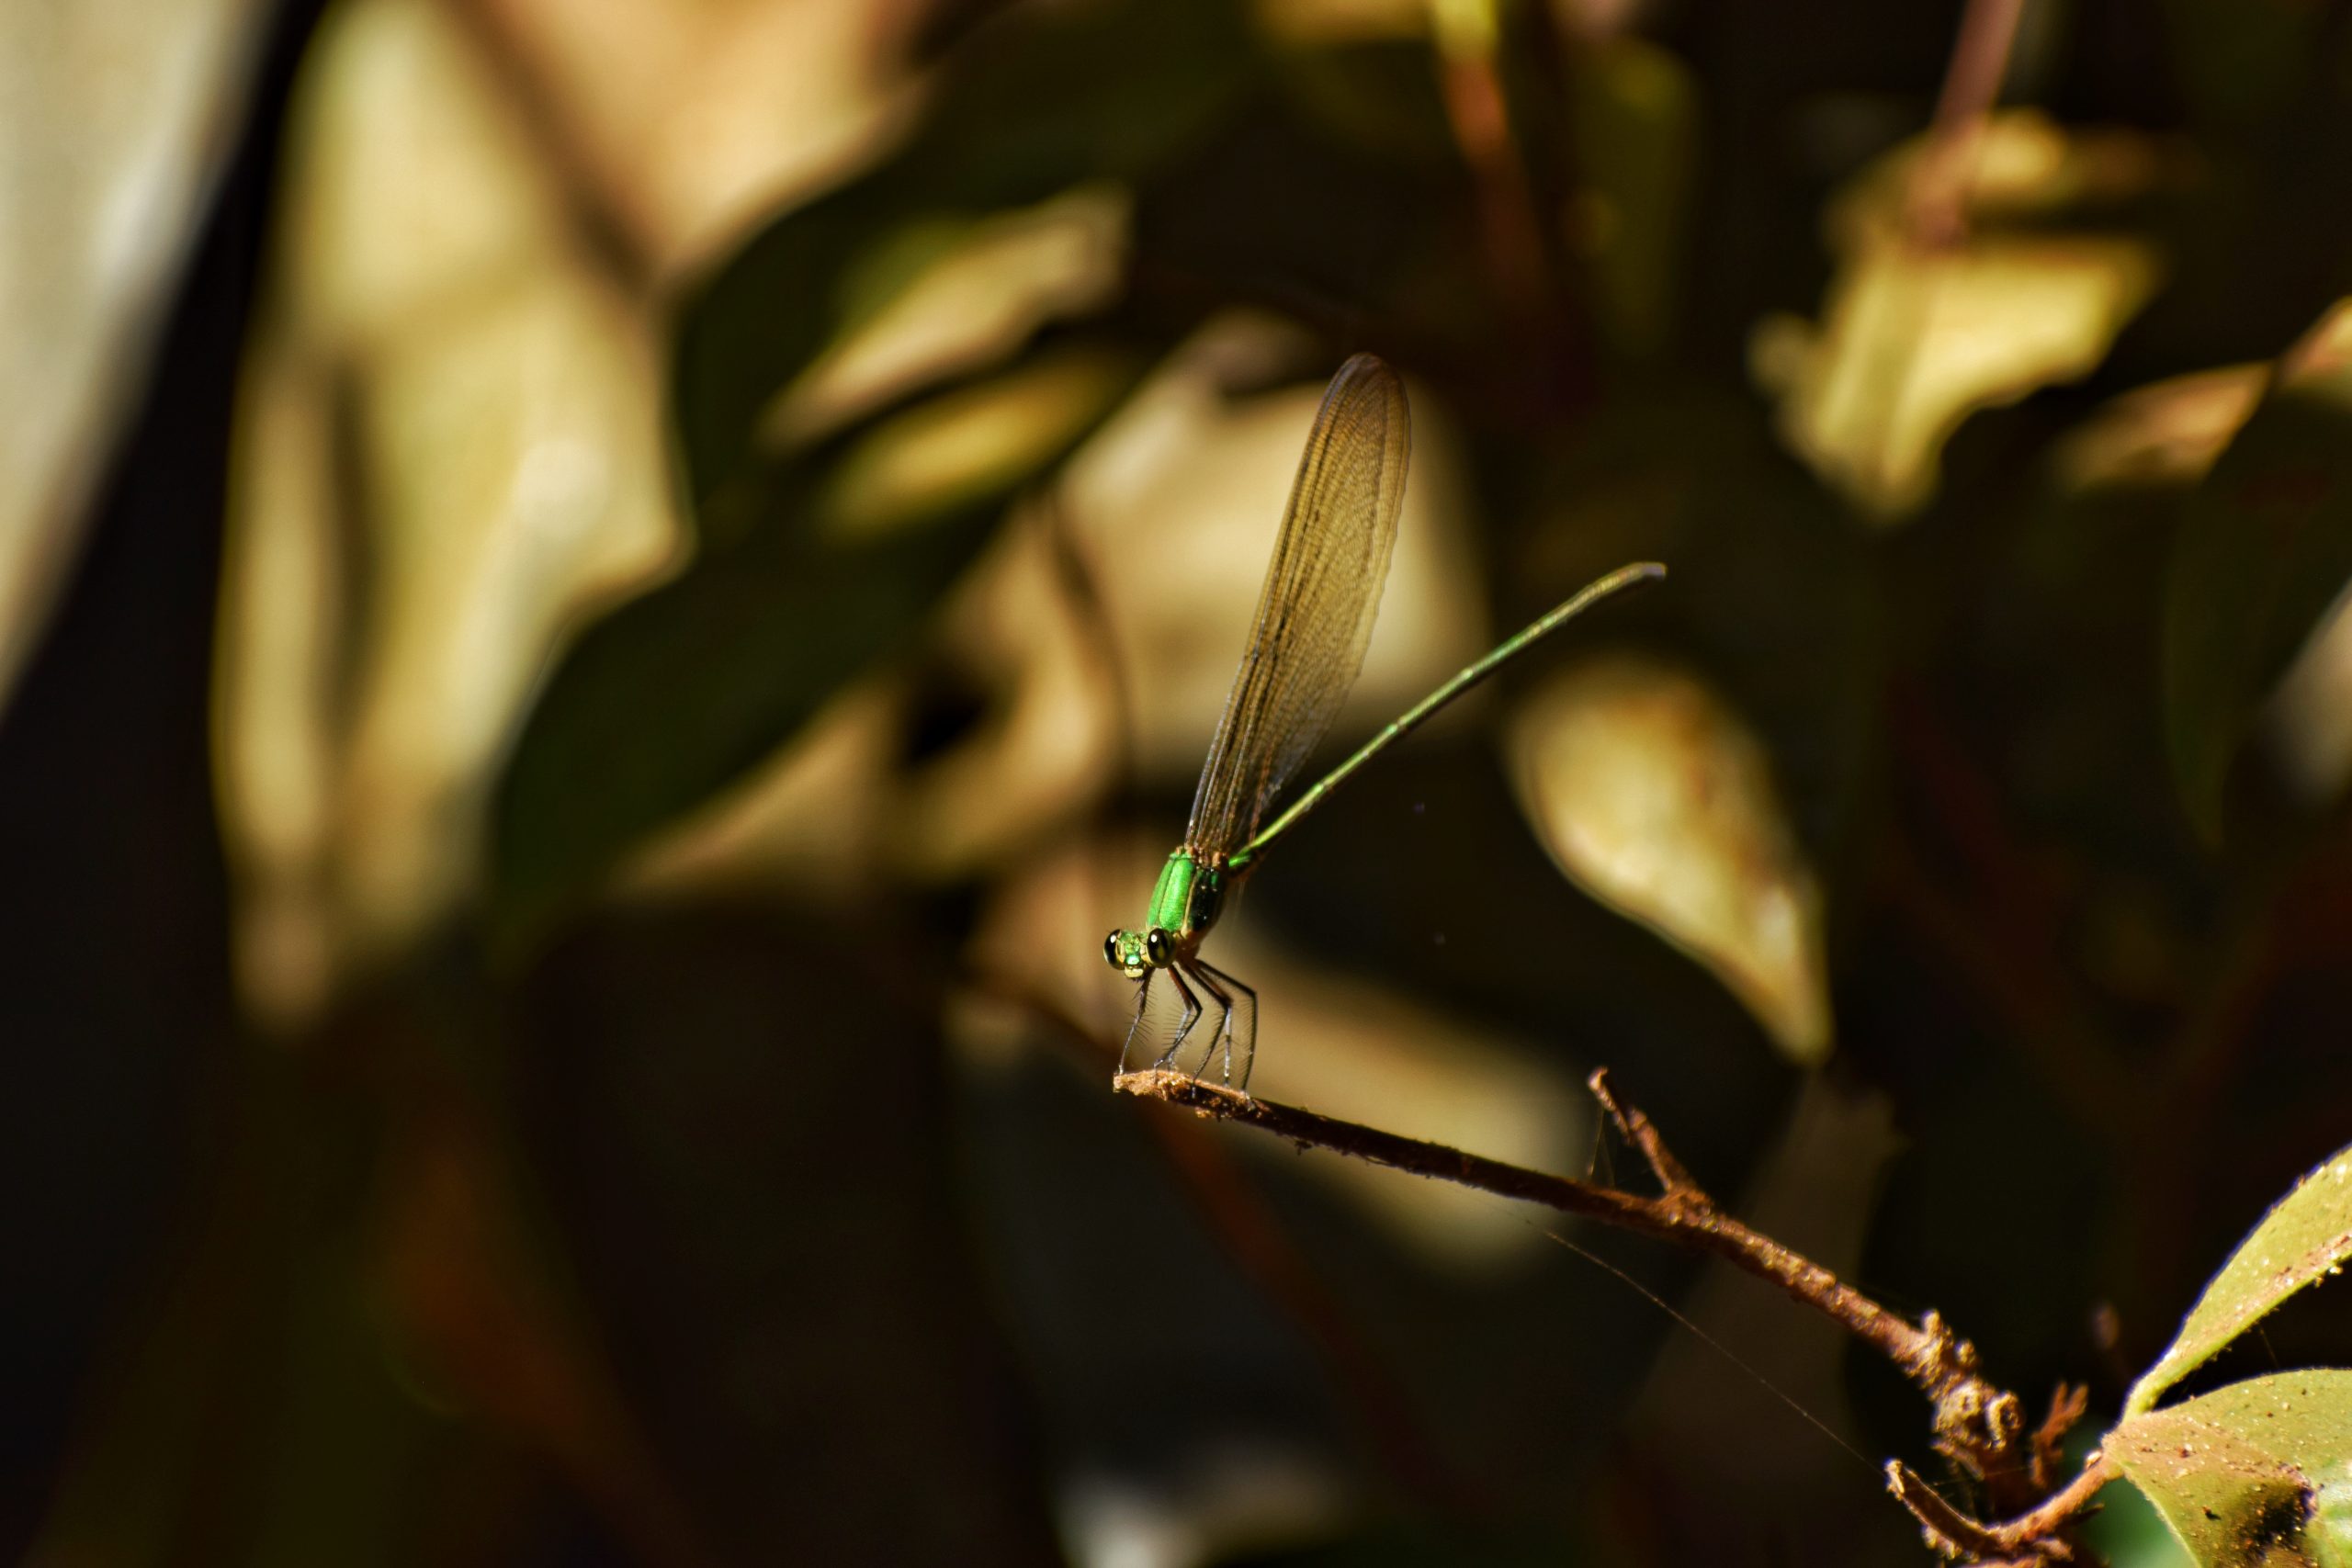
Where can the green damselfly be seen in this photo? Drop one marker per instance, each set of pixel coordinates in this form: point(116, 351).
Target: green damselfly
point(1314, 620)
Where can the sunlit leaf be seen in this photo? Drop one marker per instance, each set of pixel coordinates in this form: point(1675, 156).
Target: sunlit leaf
point(2165, 435)
point(2240, 1473)
point(1654, 797)
point(1917, 335)
point(2306, 727)
point(119, 115)
point(968, 444)
point(979, 290)
point(1035, 108)
point(2225, 1498)
point(2265, 550)
point(2304, 1238)
point(684, 126)
point(1040, 104)
point(450, 448)
point(679, 693)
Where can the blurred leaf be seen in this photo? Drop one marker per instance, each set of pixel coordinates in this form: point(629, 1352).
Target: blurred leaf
point(1773, 596)
point(2236, 1471)
point(975, 292)
point(449, 450)
point(1635, 121)
point(2304, 1238)
point(1655, 798)
point(2265, 550)
point(966, 447)
point(679, 693)
point(119, 115)
point(2306, 725)
point(1039, 103)
point(2166, 434)
point(1917, 335)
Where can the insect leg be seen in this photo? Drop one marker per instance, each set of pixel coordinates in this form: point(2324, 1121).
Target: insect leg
point(1248, 1030)
point(1191, 1016)
point(1206, 978)
point(1143, 996)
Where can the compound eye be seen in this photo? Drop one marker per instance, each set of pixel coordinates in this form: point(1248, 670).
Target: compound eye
point(1110, 950)
point(1155, 947)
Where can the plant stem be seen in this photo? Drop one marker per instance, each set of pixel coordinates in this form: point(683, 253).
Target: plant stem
point(1979, 1426)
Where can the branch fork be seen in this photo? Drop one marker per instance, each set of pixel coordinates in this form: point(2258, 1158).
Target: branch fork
point(1979, 1426)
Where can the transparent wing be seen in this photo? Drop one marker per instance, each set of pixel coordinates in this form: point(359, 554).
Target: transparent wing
point(1315, 615)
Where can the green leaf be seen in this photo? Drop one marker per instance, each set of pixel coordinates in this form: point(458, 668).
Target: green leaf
point(819, 559)
point(678, 693)
point(2244, 1474)
point(1039, 102)
point(2265, 552)
point(2306, 1237)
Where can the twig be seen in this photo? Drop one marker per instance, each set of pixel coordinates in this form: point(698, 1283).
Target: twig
point(1640, 1131)
point(1980, 56)
point(1468, 47)
point(1979, 1426)
point(1927, 1351)
point(2034, 1536)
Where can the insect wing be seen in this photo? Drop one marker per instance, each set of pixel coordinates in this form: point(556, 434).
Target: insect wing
point(1315, 612)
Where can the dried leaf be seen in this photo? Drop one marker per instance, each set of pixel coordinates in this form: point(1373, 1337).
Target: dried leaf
point(2304, 1238)
point(1654, 797)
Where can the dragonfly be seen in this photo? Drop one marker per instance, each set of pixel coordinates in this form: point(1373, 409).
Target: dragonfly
point(1305, 648)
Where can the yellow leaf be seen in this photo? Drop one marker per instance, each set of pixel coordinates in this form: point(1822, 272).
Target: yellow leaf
point(1915, 336)
point(1654, 797)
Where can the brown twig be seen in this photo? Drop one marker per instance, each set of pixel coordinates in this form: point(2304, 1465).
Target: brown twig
point(1476, 109)
point(2035, 1536)
point(1640, 1131)
point(1979, 1426)
point(1980, 56)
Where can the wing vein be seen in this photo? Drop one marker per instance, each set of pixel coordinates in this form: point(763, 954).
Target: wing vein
point(1315, 614)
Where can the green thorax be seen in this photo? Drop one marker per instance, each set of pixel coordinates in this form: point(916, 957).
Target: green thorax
point(1186, 898)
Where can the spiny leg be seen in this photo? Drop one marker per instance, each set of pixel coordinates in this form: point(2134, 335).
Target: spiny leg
point(1248, 1033)
point(1143, 997)
point(1204, 976)
point(1191, 1016)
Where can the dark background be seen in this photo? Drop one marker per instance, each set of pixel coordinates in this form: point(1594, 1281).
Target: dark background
point(594, 1229)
